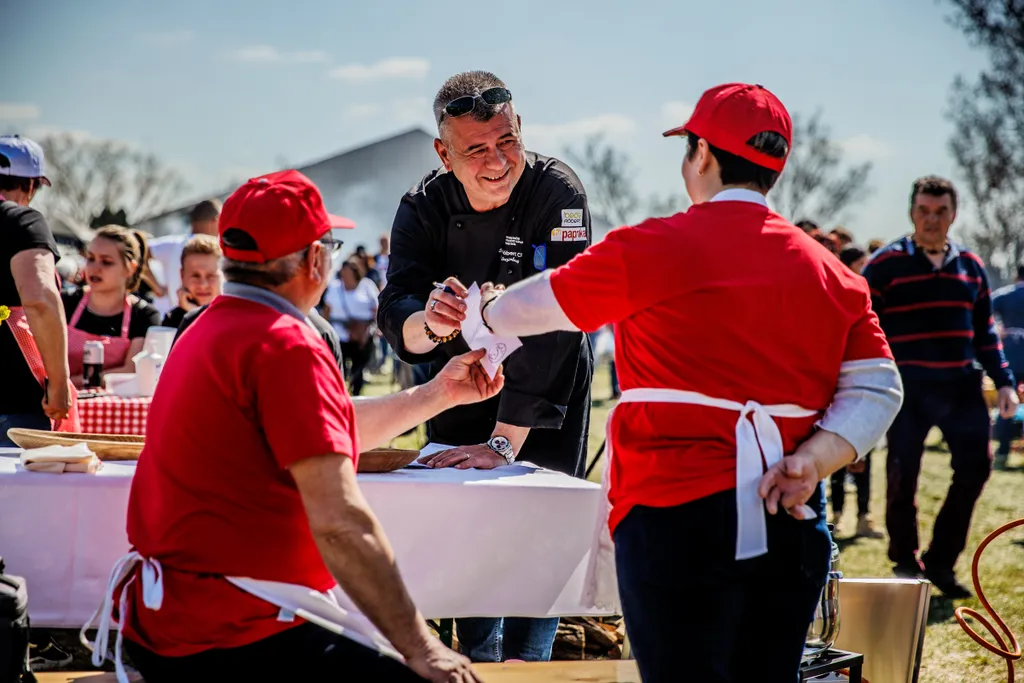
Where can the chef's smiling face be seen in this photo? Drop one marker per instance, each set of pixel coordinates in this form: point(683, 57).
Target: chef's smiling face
point(105, 266)
point(487, 157)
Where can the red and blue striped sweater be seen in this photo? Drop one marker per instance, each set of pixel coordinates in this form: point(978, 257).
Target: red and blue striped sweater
point(938, 321)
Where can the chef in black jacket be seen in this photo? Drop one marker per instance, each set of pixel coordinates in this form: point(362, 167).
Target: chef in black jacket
point(495, 212)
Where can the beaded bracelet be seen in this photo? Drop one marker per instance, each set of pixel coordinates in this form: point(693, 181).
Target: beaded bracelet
point(438, 340)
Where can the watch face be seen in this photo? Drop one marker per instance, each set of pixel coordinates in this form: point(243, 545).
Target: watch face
point(500, 443)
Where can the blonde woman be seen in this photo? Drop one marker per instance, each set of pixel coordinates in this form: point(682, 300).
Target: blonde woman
point(106, 309)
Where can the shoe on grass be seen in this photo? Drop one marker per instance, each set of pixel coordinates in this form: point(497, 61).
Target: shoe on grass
point(945, 581)
point(907, 570)
point(999, 462)
point(866, 528)
point(836, 518)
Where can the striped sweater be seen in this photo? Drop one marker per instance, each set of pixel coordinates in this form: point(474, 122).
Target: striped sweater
point(938, 321)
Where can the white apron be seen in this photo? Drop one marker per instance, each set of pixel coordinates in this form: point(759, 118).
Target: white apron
point(331, 610)
point(601, 589)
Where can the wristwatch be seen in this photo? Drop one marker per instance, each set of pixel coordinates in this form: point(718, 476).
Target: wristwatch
point(503, 447)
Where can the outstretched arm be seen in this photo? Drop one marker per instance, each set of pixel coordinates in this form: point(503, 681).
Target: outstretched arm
point(463, 380)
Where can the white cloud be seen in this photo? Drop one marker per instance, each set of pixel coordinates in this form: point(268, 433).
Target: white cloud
point(395, 67)
point(675, 114)
point(362, 110)
point(866, 148)
point(18, 111)
point(547, 137)
point(168, 38)
point(268, 54)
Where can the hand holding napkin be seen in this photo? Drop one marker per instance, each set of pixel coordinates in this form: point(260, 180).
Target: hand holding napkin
point(59, 459)
point(477, 335)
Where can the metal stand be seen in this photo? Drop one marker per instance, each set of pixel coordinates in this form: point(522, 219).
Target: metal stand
point(831, 661)
point(593, 463)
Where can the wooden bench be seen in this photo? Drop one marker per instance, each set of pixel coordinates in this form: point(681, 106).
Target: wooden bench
point(623, 671)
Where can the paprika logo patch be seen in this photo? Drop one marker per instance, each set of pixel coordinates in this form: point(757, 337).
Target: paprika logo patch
point(569, 235)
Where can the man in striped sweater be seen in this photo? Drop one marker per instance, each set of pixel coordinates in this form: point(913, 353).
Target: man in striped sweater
point(933, 301)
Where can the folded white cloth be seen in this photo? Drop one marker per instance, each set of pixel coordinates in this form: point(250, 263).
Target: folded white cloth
point(59, 459)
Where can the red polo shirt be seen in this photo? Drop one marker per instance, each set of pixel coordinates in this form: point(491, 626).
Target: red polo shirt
point(246, 392)
point(727, 299)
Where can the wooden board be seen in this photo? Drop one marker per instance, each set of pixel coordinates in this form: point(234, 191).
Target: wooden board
point(530, 672)
point(609, 671)
point(386, 459)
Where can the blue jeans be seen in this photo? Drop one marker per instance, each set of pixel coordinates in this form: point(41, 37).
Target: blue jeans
point(695, 613)
point(23, 420)
point(487, 639)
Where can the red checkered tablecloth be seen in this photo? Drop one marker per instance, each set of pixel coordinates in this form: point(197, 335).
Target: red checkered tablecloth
point(114, 415)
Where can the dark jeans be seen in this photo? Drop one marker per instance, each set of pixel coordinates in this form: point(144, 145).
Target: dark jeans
point(23, 420)
point(485, 639)
point(356, 359)
point(958, 409)
point(304, 653)
point(862, 480)
point(695, 613)
point(1005, 431)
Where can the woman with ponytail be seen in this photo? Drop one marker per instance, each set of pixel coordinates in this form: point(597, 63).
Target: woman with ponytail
point(106, 309)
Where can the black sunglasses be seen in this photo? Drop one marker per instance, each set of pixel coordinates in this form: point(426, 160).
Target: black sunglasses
point(461, 106)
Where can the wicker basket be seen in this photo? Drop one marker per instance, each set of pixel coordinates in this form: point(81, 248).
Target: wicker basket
point(128, 447)
point(386, 459)
point(105, 446)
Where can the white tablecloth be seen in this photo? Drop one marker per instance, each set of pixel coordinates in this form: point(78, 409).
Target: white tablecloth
point(507, 542)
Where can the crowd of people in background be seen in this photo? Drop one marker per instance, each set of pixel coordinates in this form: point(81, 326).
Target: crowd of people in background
point(841, 242)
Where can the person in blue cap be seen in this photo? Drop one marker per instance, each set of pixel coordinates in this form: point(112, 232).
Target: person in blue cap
point(33, 338)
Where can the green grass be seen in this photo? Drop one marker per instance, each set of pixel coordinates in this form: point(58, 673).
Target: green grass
point(950, 656)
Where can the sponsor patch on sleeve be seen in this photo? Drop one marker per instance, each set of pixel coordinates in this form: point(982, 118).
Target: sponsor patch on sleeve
point(572, 218)
point(569, 235)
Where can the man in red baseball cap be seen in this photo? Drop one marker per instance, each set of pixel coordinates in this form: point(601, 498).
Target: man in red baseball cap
point(752, 366)
point(244, 514)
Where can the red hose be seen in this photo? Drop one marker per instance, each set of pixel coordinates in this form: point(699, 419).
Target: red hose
point(1010, 652)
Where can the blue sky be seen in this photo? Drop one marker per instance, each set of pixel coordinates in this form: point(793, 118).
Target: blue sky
point(225, 90)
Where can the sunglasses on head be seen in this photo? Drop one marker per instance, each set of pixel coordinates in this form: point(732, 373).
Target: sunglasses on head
point(461, 106)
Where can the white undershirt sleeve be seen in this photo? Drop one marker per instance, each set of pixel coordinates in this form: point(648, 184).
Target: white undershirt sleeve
point(867, 399)
point(527, 308)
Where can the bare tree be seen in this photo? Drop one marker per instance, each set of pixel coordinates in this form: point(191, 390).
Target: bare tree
point(612, 193)
point(816, 184)
point(609, 173)
point(988, 115)
point(92, 175)
point(667, 205)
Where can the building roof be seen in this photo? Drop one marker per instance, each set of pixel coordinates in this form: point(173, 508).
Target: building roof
point(384, 169)
point(67, 229)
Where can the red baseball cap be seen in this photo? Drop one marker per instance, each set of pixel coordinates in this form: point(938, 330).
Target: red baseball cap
point(727, 116)
point(272, 216)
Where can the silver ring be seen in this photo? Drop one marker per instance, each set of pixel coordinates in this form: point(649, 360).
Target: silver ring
point(433, 304)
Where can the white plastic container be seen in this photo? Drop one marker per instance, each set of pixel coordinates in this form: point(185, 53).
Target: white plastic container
point(148, 366)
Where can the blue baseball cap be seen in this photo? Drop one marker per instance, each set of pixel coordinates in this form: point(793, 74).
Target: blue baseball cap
point(22, 157)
